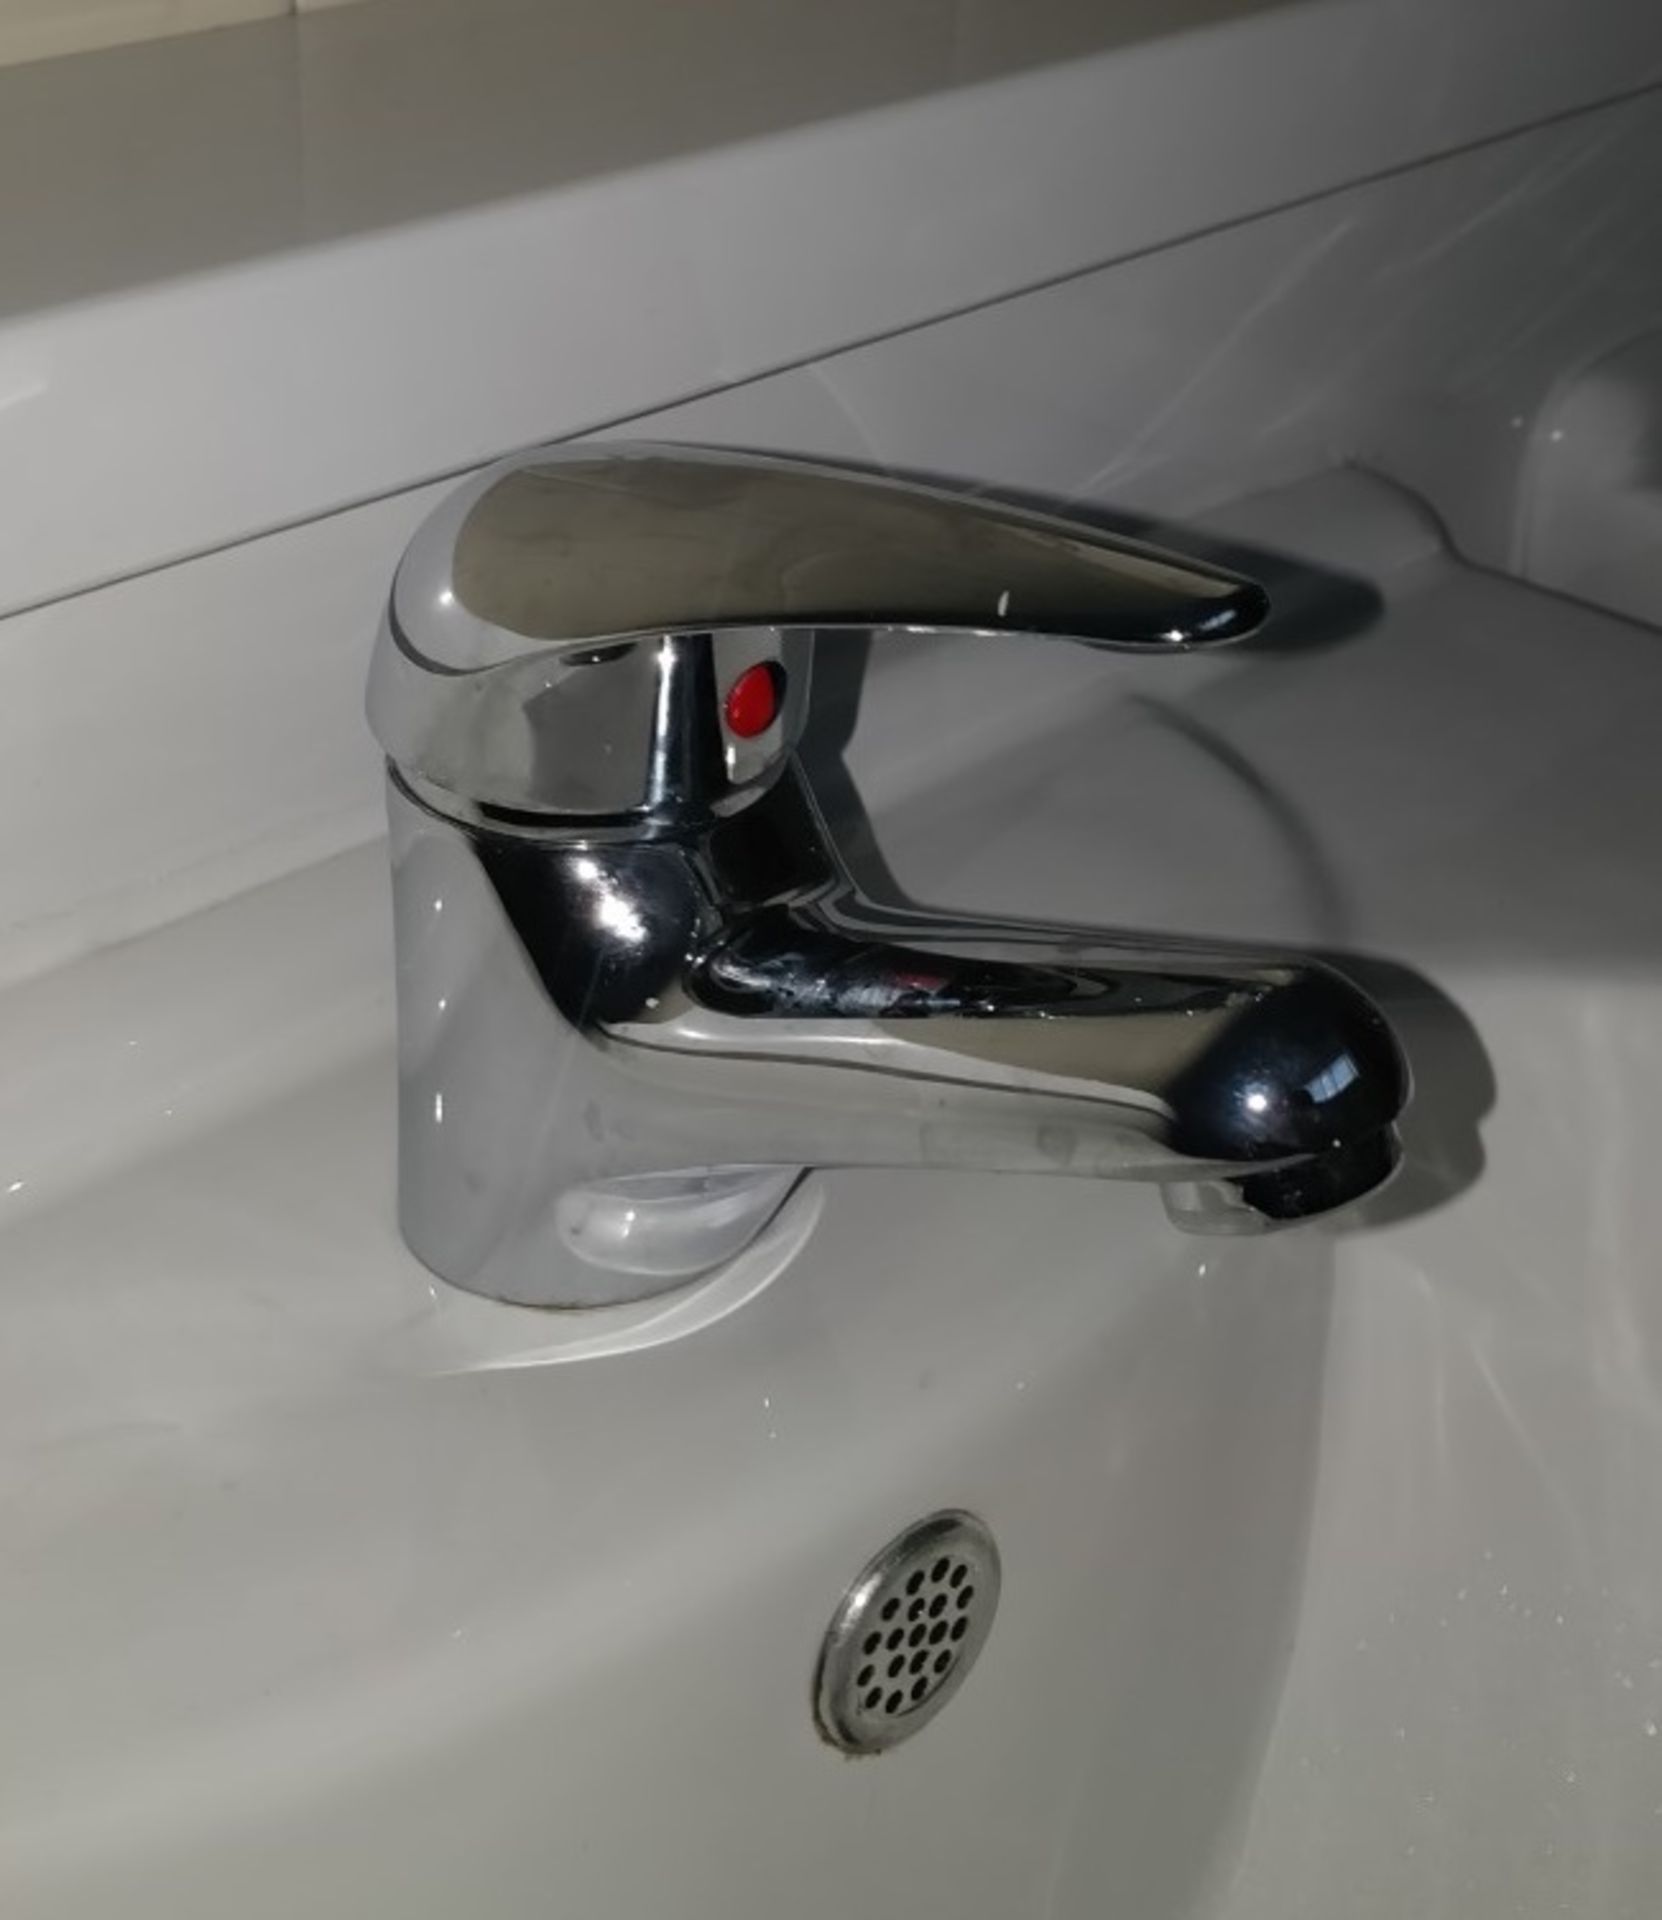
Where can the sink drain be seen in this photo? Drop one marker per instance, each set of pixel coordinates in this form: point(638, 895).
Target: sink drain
point(906, 1633)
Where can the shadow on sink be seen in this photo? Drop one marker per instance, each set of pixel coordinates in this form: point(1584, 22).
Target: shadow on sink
point(1453, 1077)
point(1454, 1089)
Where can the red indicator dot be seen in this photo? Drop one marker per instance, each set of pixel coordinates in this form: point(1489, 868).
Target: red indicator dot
point(752, 703)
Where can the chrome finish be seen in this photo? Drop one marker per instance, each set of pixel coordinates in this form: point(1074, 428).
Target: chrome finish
point(627, 1023)
point(906, 1633)
point(530, 655)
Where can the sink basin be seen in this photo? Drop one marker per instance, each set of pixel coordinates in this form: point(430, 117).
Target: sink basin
point(341, 1590)
point(1330, 1576)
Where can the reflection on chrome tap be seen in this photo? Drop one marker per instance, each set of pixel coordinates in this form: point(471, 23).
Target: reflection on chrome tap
point(653, 995)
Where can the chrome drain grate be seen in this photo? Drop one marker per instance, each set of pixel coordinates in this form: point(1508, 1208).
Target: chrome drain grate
point(906, 1633)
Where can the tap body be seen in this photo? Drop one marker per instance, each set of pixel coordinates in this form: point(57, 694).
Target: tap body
point(639, 994)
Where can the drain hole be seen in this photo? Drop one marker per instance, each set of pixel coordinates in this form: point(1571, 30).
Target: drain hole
point(906, 1633)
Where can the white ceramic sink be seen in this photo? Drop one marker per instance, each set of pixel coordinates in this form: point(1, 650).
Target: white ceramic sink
point(1332, 1576)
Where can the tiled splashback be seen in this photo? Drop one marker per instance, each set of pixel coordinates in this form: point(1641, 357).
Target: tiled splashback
point(40, 29)
point(254, 275)
point(210, 734)
point(933, 259)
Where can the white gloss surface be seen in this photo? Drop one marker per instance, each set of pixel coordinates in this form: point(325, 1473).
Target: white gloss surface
point(1331, 1565)
point(664, 238)
point(209, 734)
point(339, 1600)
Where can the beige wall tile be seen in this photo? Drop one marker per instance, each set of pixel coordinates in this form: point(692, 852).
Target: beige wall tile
point(141, 162)
point(37, 29)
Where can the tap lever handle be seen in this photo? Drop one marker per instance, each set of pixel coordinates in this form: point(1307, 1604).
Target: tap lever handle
point(568, 558)
point(574, 547)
